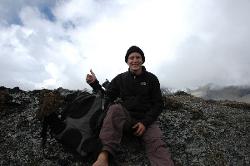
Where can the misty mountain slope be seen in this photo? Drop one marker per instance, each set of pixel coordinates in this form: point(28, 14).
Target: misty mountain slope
point(233, 93)
point(197, 132)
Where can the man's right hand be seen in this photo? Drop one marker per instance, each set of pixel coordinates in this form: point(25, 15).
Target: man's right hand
point(139, 129)
point(90, 78)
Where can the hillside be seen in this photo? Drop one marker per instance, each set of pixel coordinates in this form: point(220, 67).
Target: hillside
point(197, 132)
point(233, 93)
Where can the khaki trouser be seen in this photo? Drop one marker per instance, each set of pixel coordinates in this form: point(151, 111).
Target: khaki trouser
point(112, 132)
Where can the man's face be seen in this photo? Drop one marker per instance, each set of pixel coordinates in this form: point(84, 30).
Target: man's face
point(134, 61)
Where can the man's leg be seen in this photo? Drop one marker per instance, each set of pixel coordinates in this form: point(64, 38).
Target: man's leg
point(155, 147)
point(111, 133)
point(102, 160)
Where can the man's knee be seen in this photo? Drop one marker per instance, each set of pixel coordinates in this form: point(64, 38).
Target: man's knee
point(115, 110)
point(115, 107)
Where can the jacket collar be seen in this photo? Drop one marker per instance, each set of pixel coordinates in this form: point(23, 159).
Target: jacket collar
point(143, 71)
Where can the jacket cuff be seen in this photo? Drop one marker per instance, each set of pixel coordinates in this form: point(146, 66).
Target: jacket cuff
point(146, 123)
point(95, 85)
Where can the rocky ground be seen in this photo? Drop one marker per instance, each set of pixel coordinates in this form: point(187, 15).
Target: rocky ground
point(197, 132)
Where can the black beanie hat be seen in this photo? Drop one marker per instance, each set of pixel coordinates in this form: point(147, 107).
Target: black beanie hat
point(134, 49)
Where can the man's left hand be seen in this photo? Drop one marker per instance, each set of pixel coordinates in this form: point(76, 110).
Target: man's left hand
point(139, 129)
point(90, 78)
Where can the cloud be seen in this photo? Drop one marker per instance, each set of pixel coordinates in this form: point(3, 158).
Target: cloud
point(29, 49)
point(190, 43)
point(215, 50)
point(9, 9)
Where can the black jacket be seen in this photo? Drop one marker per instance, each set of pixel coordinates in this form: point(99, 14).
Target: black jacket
point(140, 95)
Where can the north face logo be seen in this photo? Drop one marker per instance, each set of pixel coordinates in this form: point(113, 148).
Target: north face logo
point(143, 83)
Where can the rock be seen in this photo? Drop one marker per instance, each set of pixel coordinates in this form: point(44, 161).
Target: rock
point(197, 132)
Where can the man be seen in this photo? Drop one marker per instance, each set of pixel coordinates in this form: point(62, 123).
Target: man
point(140, 104)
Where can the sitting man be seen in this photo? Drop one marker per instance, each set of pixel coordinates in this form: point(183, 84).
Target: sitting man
point(140, 104)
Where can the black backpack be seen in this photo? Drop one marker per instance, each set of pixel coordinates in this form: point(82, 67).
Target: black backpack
point(77, 125)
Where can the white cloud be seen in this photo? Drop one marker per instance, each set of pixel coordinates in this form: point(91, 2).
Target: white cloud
point(186, 43)
point(76, 10)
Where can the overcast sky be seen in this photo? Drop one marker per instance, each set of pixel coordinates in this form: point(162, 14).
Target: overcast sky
point(187, 43)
